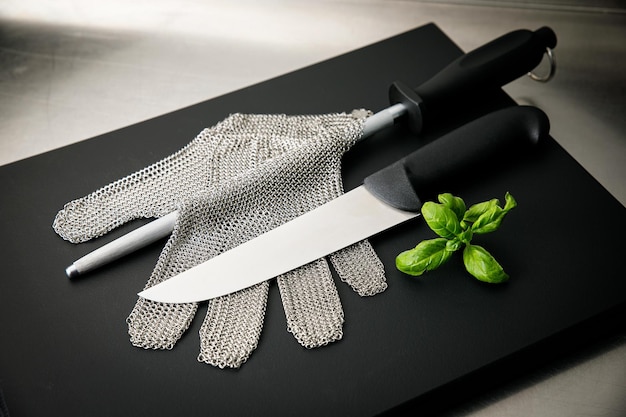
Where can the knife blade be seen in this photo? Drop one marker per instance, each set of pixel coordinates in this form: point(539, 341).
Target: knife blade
point(387, 198)
point(488, 67)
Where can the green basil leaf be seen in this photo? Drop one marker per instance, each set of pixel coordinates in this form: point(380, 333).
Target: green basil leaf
point(441, 219)
point(490, 220)
point(477, 210)
point(482, 265)
point(509, 202)
point(466, 236)
point(456, 204)
point(454, 245)
point(426, 256)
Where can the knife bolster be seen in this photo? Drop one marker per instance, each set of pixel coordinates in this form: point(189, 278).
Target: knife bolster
point(392, 186)
point(400, 93)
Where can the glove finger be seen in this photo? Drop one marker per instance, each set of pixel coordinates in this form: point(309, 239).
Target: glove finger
point(159, 325)
point(359, 266)
point(232, 327)
point(312, 305)
point(153, 325)
point(151, 192)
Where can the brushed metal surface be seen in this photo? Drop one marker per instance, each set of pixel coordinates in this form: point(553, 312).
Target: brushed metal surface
point(73, 69)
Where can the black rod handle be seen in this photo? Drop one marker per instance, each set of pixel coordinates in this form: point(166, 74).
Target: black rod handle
point(463, 81)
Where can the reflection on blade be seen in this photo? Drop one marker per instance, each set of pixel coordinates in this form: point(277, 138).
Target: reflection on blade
point(348, 219)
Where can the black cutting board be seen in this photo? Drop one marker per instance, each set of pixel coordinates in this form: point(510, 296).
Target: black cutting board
point(65, 348)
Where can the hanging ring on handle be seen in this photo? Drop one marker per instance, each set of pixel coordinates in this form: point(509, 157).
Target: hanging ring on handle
point(552, 70)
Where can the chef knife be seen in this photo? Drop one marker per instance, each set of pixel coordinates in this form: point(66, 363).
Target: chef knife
point(387, 198)
point(484, 69)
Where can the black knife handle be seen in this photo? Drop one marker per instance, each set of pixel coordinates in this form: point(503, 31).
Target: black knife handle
point(469, 151)
point(488, 67)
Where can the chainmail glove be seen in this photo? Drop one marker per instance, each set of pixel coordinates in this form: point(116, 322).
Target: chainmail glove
point(221, 183)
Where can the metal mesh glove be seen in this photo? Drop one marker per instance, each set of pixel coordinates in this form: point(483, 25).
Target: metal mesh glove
point(201, 181)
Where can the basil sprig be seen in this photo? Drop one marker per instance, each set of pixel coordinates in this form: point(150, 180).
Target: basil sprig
point(456, 226)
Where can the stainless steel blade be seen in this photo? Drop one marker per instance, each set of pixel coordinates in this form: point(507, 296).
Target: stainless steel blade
point(343, 221)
